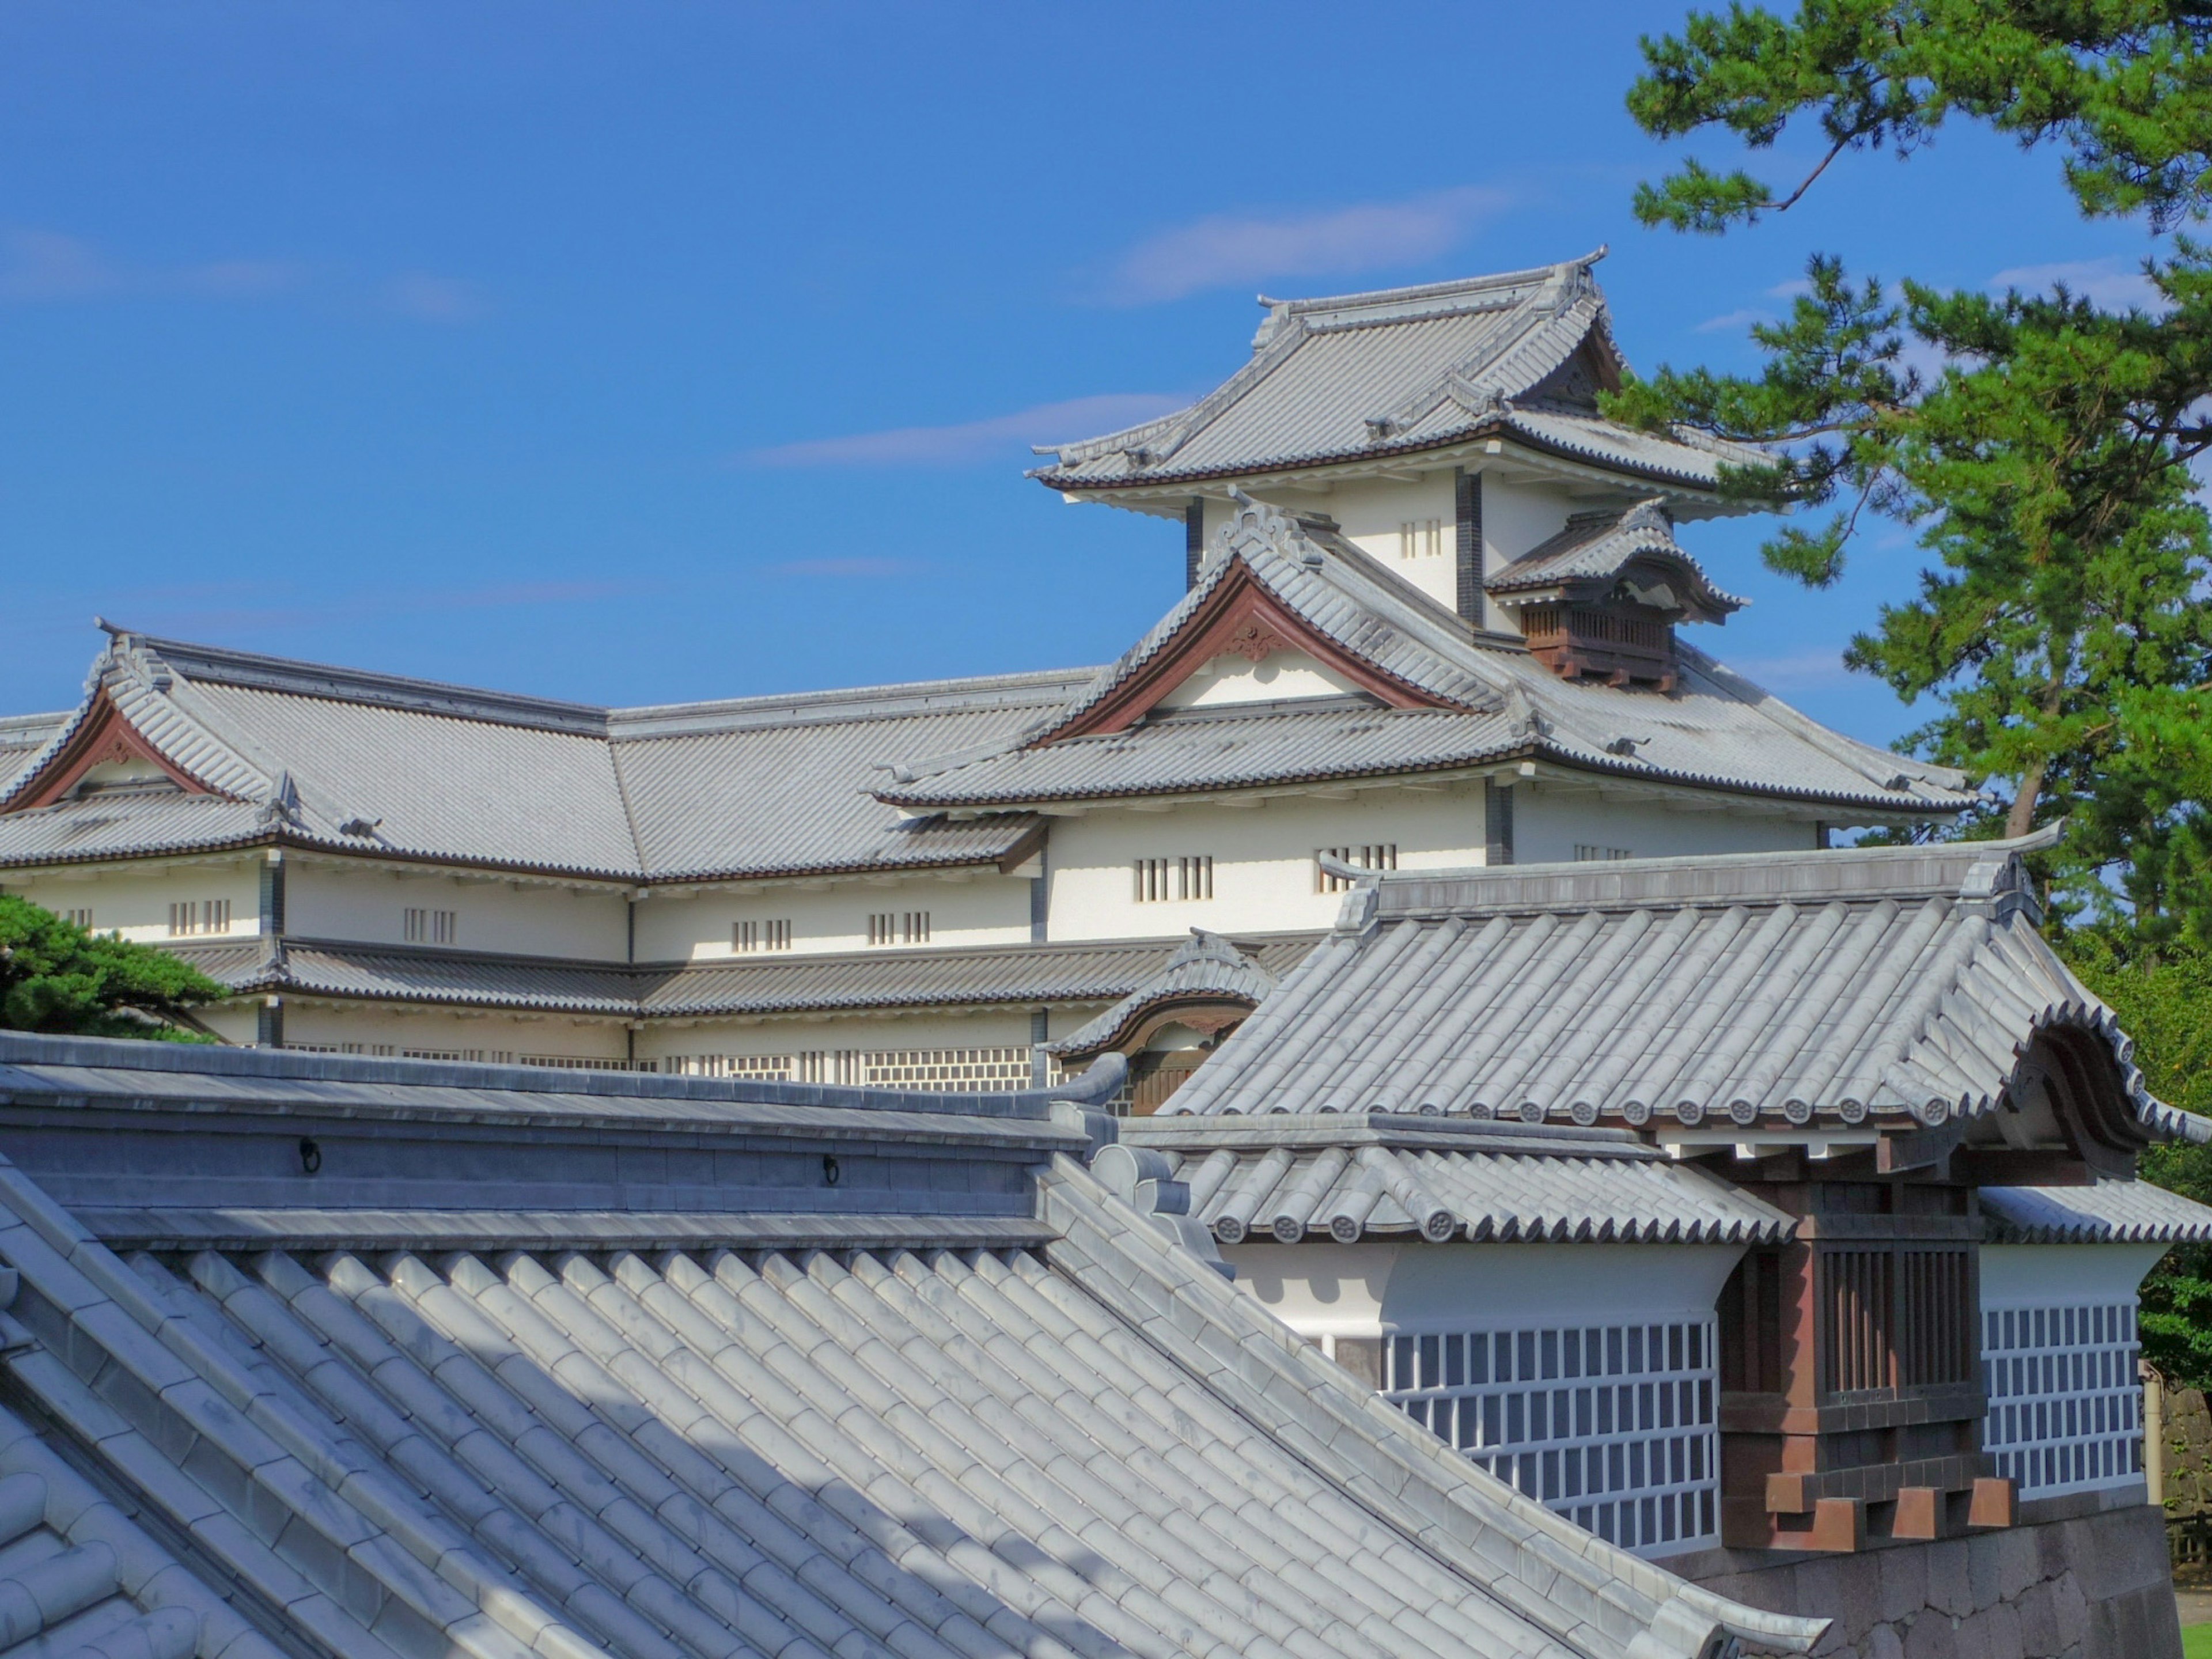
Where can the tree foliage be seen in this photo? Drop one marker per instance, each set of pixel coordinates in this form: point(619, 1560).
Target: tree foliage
point(2039, 445)
point(58, 978)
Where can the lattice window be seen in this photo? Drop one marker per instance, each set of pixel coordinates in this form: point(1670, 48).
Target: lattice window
point(771, 935)
point(1612, 1425)
point(950, 1070)
point(1588, 852)
point(584, 1063)
point(1375, 855)
point(772, 1068)
point(199, 916)
point(898, 927)
point(1164, 881)
point(1421, 538)
point(431, 927)
point(81, 918)
point(1894, 1317)
point(2065, 1396)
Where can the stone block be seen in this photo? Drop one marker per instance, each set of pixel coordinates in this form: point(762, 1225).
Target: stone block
point(2002, 1637)
point(2017, 1564)
point(1904, 1582)
point(1949, 1587)
point(1932, 1636)
point(2071, 1609)
point(2039, 1622)
point(1884, 1642)
point(1984, 1555)
point(1858, 1592)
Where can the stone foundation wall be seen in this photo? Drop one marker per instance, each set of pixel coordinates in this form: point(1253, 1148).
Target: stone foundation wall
point(2093, 1586)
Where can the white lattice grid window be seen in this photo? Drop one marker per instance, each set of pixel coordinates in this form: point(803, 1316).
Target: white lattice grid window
point(2065, 1396)
point(83, 918)
point(421, 926)
point(772, 1068)
point(584, 1063)
point(898, 927)
point(1611, 1425)
point(1587, 853)
point(1374, 855)
point(949, 1071)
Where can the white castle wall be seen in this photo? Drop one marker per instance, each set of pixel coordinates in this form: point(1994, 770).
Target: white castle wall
point(134, 900)
point(674, 926)
point(368, 901)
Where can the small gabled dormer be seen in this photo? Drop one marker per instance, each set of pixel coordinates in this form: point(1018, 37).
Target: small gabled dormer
point(1600, 599)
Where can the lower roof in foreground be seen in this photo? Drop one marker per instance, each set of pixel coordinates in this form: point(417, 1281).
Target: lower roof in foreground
point(1092, 1446)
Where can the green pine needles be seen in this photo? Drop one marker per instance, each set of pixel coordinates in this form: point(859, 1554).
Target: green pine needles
point(56, 978)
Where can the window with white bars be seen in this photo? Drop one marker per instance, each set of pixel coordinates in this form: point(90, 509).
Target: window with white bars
point(2065, 1396)
point(773, 1068)
point(1375, 855)
point(898, 927)
point(199, 916)
point(948, 1071)
point(431, 927)
point(583, 1063)
point(1421, 538)
point(83, 918)
point(1611, 1425)
point(1165, 881)
point(749, 936)
point(1587, 853)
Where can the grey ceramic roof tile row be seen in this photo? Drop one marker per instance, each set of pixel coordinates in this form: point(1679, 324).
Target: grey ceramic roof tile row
point(1370, 376)
point(379, 766)
point(1777, 987)
point(962, 976)
point(1093, 1447)
point(1204, 966)
point(1356, 1176)
point(1715, 730)
point(2106, 1213)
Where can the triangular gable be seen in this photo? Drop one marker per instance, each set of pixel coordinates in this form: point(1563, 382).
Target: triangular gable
point(1240, 615)
point(102, 735)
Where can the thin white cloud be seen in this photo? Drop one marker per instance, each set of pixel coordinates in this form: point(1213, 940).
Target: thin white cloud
point(433, 298)
point(50, 267)
point(1229, 250)
point(1733, 322)
point(970, 441)
point(1795, 288)
point(1797, 671)
point(2115, 284)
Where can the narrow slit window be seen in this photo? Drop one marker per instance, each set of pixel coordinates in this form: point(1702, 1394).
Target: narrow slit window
point(1372, 855)
point(1174, 880)
point(427, 927)
point(774, 934)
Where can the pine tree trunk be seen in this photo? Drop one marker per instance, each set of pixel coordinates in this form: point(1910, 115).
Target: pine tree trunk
point(2022, 818)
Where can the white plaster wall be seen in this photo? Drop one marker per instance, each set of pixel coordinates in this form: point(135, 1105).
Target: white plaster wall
point(1280, 675)
point(135, 901)
point(1363, 1290)
point(2053, 1275)
point(1263, 872)
point(986, 910)
point(1372, 511)
point(492, 1035)
point(1549, 823)
point(366, 901)
point(1004, 1029)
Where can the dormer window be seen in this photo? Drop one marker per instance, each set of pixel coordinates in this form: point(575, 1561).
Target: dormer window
point(1600, 599)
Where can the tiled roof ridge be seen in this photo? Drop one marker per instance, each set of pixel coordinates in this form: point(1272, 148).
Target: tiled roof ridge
point(118, 1067)
point(893, 700)
point(1450, 287)
point(1989, 872)
point(253, 672)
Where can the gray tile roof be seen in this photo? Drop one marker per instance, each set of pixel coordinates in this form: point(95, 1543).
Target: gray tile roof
point(373, 764)
point(2106, 1212)
point(1372, 376)
point(968, 976)
point(1901, 983)
point(1349, 1176)
point(1597, 549)
point(1094, 1447)
point(1203, 966)
point(1714, 731)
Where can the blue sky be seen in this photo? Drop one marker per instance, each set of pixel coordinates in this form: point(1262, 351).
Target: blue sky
point(640, 354)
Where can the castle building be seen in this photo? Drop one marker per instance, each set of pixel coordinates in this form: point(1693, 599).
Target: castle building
point(1436, 617)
